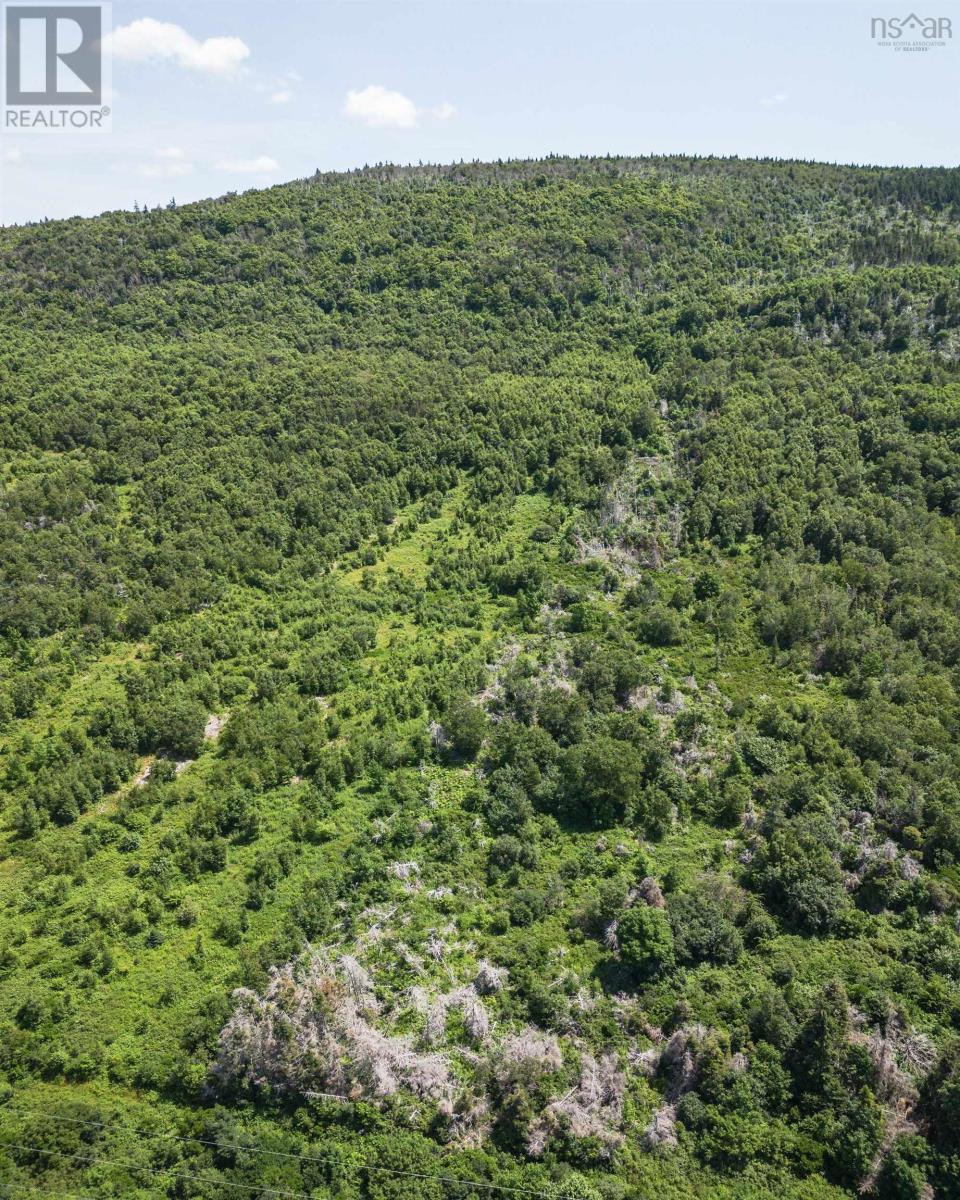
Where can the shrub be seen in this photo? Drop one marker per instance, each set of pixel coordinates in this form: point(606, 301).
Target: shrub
point(702, 931)
point(646, 940)
point(603, 780)
point(466, 726)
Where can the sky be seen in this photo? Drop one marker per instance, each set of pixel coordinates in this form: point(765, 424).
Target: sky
point(214, 96)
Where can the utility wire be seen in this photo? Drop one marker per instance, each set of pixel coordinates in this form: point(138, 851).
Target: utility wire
point(258, 1150)
point(247, 1187)
point(30, 1191)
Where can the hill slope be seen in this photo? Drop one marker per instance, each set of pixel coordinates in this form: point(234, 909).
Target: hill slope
point(479, 687)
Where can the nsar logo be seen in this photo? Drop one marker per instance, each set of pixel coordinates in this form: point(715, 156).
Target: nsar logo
point(920, 29)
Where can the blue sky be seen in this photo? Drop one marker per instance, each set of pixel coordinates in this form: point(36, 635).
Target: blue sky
point(214, 96)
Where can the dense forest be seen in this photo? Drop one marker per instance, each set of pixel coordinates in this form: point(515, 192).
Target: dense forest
point(479, 675)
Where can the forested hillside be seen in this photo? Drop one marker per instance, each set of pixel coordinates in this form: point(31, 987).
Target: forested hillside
point(479, 670)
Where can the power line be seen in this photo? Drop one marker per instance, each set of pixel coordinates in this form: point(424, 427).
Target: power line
point(470, 1183)
point(247, 1187)
point(258, 1150)
point(46, 1192)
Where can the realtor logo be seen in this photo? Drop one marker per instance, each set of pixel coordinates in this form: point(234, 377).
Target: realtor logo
point(911, 32)
point(54, 67)
point(53, 54)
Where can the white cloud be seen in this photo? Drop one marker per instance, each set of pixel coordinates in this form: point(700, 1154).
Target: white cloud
point(148, 40)
point(773, 101)
point(262, 165)
point(378, 107)
point(168, 170)
point(444, 111)
point(12, 154)
point(170, 164)
point(279, 89)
